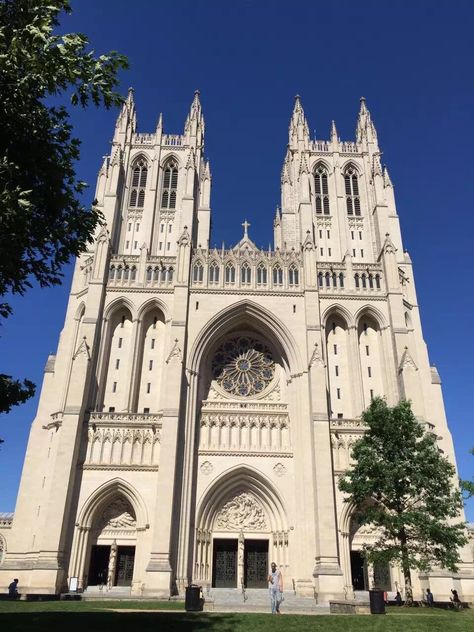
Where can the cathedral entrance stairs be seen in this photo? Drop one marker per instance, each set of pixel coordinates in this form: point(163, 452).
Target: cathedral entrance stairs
point(258, 600)
point(101, 593)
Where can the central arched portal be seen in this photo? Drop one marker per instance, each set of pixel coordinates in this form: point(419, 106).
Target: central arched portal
point(241, 525)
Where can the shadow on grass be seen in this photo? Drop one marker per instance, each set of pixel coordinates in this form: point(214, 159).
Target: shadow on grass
point(100, 621)
point(116, 621)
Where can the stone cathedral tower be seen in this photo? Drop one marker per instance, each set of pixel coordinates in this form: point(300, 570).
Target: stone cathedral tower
point(202, 402)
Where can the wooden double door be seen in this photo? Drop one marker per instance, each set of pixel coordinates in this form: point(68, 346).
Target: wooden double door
point(225, 563)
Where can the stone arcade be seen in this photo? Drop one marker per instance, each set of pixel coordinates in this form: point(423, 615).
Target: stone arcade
point(202, 402)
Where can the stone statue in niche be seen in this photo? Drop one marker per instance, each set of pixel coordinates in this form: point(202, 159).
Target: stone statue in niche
point(118, 515)
point(241, 512)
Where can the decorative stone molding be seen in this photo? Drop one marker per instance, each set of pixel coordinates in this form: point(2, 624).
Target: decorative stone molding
point(175, 353)
point(279, 469)
point(206, 468)
point(123, 446)
point(406, 362)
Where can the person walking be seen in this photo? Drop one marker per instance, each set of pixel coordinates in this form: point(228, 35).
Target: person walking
point(275, 585)
point(12, 589)
point(429, 598)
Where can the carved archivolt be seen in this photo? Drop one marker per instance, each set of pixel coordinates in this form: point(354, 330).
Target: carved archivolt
point(242, 512)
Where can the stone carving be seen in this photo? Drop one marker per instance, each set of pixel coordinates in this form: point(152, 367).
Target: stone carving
point(407, 361)
point(279, 469)
point(83, 348)
point(243, 366)
point(242, 512)
point(206, 468)
point(118, 515)
point(175, 353)
point(316, 357)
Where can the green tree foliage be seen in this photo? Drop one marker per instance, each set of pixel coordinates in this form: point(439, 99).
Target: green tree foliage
point(43, 222)
point(402, 485)
point(467, 487)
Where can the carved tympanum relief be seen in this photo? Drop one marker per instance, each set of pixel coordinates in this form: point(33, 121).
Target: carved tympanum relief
point(242, 512)
point(118, 515)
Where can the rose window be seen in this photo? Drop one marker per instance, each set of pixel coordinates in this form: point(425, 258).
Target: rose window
point(243, 366)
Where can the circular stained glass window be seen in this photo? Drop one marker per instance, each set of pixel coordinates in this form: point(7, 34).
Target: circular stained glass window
point(243, 366)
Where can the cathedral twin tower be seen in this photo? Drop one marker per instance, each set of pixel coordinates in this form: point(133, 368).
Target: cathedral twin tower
point(203, 402)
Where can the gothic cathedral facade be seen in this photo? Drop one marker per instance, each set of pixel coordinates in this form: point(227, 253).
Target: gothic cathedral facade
point(202, 402)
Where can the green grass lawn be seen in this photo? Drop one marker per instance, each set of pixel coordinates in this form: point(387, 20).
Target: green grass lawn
point(98, 617)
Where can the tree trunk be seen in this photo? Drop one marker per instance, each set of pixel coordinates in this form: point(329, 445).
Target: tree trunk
point(406, 569)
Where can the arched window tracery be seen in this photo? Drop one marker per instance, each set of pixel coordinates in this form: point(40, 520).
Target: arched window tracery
point(277, 275)
point(321, 190)
point(293, 275)
point(198, 272)
point(230, 273)
point(214, 272)
point(138, 184)
point(170, 185)
point(261, 274)
point(245, 274)
point(351, 184)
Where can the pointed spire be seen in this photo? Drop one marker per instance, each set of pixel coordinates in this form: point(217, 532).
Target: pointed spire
point(207, 170)
point(159, 125)
point(365, 130)
point(127, 120)
point(386, 178)
point(194, 125)
point(298, 130)
point(333, 131)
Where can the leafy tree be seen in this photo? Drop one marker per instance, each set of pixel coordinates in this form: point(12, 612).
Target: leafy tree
point(43, 223)
point(402, 485)
point(467, 487)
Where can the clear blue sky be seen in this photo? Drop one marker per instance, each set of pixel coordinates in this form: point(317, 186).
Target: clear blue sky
point(412, 61)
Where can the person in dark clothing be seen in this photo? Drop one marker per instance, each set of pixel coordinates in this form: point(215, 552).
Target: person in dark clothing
point(12, 589)
point(429, 598)
point(398, 598)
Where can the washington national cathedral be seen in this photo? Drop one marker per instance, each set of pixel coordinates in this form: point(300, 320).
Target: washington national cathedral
point(203, 402)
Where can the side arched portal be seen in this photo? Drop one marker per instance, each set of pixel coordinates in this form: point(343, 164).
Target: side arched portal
point(107, 538)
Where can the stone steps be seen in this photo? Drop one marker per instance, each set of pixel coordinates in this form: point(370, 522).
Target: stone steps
point(258, 600)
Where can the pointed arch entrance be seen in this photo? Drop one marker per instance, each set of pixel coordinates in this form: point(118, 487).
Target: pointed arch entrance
point(108, 536)
point(241, 524)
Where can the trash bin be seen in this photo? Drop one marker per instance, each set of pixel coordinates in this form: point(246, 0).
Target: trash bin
point(193, 600)
point(377, 603)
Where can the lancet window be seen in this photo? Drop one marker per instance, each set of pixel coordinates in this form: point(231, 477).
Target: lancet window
point(198, 272)
point(245, 274)
point(321, 190)
point(262, 274)
point(293, 275)
point(170, 185)
point(277, 275)
point(351, 184)
point(229, 273)
point(214, 272)
point(137, 189)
